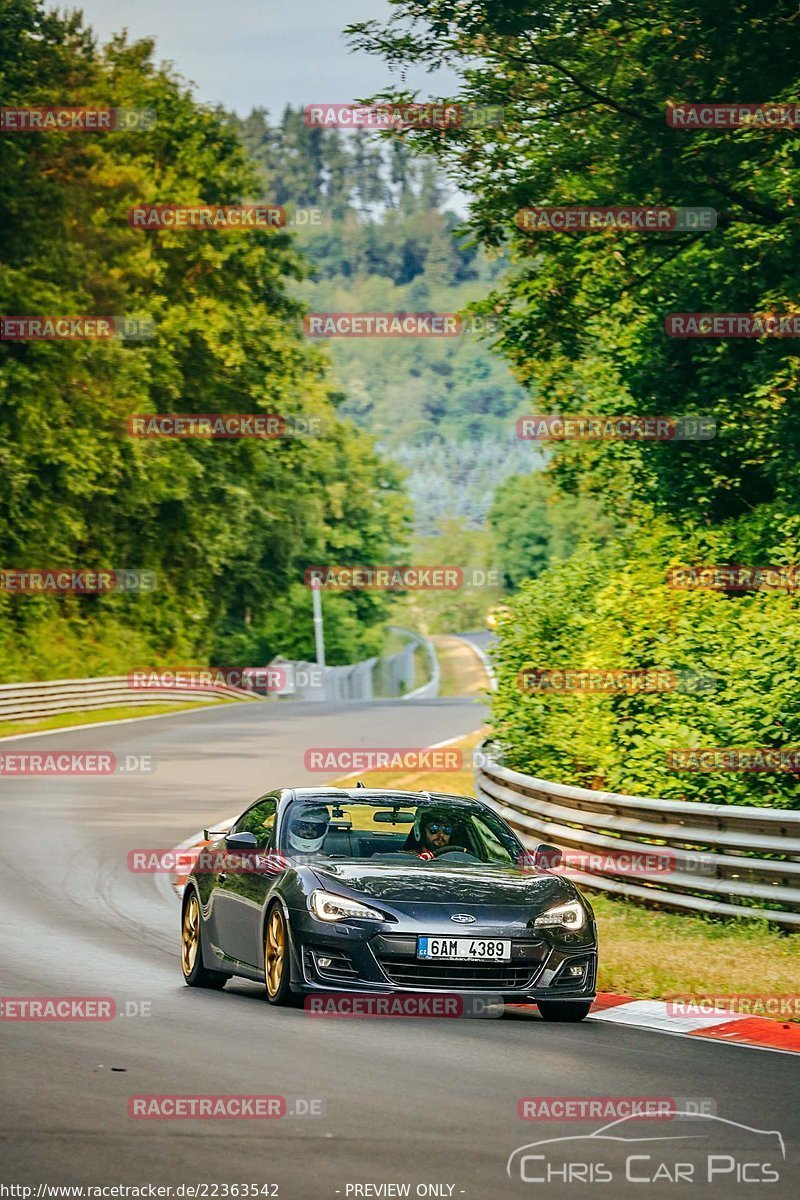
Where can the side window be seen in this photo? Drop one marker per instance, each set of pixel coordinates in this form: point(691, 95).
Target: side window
point(494, 849)
point(260, 819)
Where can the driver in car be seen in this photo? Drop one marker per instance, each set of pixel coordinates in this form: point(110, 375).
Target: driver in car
point(308, 828)
point(435, 832)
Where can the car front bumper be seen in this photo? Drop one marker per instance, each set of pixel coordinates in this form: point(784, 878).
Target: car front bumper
point(356, 958)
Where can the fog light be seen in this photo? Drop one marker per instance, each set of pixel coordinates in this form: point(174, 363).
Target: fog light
point(323, 962)
point(575, 972)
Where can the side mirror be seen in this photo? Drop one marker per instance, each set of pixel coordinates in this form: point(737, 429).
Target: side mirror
point(547, 857)
point(241, 841)
point(213, 835)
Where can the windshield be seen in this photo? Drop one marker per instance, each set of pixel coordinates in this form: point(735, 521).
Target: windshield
point(394, 830)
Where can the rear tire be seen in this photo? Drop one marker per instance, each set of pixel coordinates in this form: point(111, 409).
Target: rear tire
point(195, 973)
point(564, 1010)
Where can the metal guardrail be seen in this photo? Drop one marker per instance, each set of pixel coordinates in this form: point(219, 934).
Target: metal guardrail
point(431, 689)
point(385, 678)
point(726, 860)
point(29, 701)
point(329, 685)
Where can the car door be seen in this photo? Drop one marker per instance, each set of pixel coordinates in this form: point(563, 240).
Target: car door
point(240, 891)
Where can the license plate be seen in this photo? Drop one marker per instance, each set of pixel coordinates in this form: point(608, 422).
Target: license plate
point(465, 949)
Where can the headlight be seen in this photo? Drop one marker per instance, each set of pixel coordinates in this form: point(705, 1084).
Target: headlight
point(328, 907)
point(571, 915)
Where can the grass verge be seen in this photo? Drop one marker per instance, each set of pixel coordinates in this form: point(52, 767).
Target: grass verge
point(115, 713)
point(645, 953)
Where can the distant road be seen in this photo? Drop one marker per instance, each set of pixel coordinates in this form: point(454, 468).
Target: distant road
point(482, 640)
point(479, 637)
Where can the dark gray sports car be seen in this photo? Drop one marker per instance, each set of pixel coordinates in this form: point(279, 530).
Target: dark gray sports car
point(370, 891)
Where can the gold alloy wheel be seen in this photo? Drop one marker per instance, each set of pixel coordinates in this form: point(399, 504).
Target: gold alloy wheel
point(190, 937)
point(275, 951)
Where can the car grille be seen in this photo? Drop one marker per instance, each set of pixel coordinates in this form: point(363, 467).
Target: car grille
point(482, 976)
point(397, 958)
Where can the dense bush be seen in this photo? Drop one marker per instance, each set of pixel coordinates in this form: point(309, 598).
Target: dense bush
point(612, 608)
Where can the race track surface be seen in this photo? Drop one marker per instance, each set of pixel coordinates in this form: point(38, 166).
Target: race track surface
point(422, 1102)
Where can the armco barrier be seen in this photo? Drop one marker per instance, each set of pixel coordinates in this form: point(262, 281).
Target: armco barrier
point(387, 677)
point(429, 690)
point(729, 860)
point(29, 701)
point(328, 685)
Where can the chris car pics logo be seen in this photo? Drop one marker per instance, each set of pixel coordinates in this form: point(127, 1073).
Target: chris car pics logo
point(693, 1148)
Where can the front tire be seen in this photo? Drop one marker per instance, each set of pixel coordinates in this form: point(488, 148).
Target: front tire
point(563, 1010)
point(277, 959)
point(195, 973)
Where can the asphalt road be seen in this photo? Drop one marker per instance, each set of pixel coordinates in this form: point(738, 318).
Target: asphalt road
point(418, 1102)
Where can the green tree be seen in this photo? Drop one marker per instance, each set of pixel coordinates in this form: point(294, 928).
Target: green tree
point(535, 524)
point(228, 527)
point(584, 91)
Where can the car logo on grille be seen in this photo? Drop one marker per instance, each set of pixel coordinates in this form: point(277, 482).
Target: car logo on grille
point(463, 918)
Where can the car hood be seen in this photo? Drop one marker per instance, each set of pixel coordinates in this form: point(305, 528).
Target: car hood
point(442, 884)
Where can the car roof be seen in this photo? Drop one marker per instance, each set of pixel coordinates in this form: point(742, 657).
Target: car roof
point(332, 794)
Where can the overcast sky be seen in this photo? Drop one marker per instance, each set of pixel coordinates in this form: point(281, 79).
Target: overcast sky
point(244, 53)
